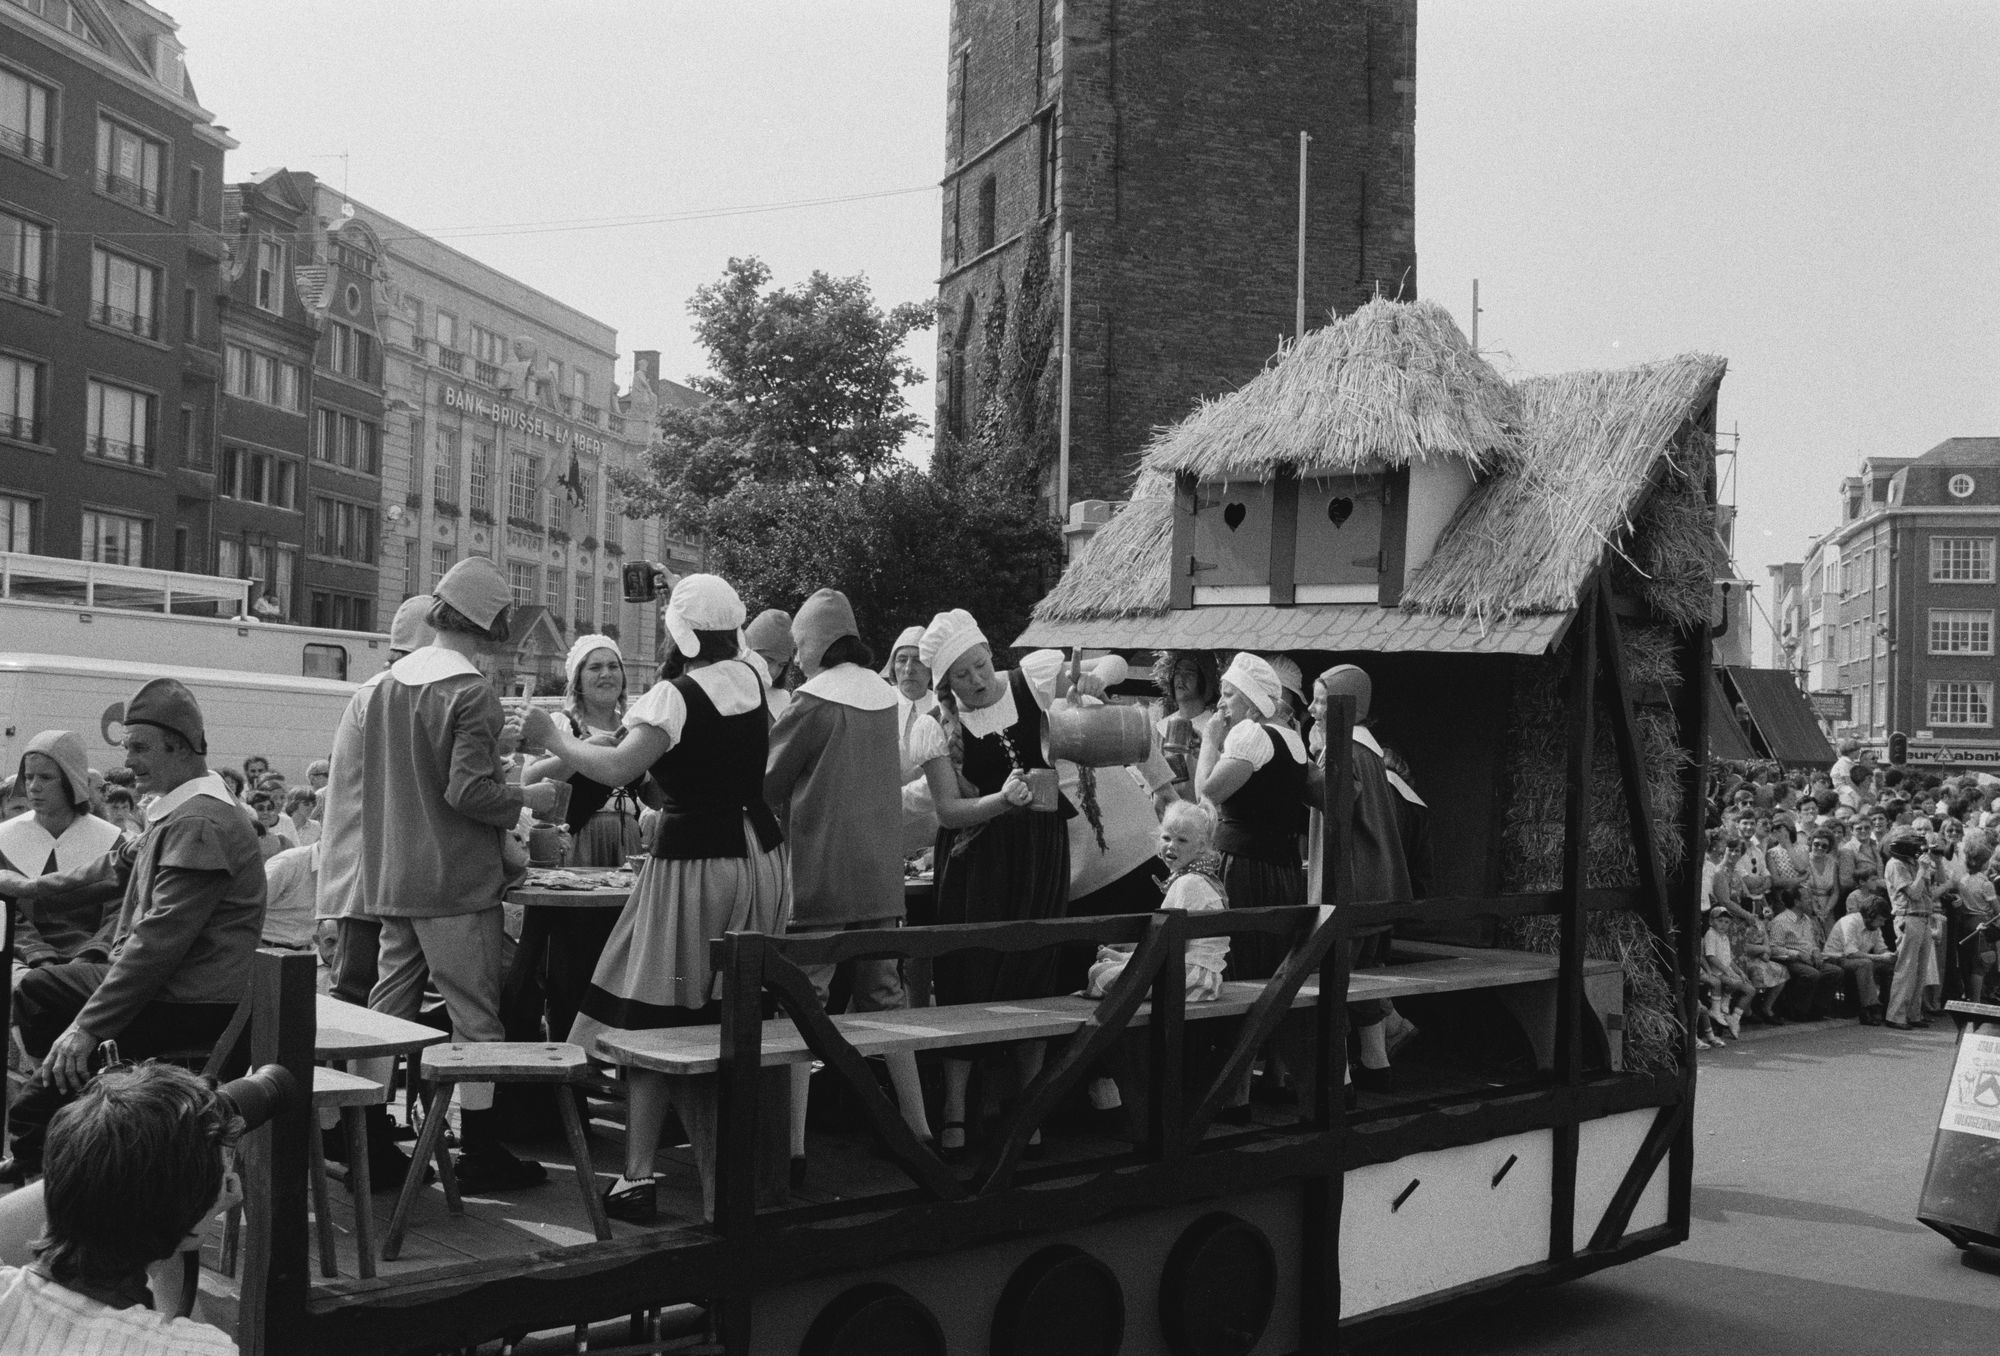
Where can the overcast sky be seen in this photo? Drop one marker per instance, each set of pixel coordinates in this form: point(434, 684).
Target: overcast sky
point(1806, 188)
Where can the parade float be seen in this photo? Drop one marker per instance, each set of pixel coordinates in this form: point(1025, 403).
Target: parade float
point(1525, 570)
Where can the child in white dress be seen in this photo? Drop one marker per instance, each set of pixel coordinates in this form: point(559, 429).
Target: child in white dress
point(1194, 885)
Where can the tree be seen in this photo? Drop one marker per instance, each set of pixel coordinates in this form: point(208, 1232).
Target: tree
point(789, 471)
point(807, 388)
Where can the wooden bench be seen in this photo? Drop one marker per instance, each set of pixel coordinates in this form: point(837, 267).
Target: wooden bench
point(1523, 982)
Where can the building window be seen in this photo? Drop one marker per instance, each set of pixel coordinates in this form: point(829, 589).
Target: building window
point(343, 611)
point(521, 582)
point(350, 441)
point(989, 213)
point(349, 351)
point(444, 469)
point(270, 277)
point(258, 478)
point(441, 563)
point(124, 294)
point(1050, 162)
point(271, 569)
point(24, 118)
point(1961, 560)
point(482, 478)
point(411, 585)
point(1960, 704)
point(121, 424)
point(263, 378)
point(445, 329)
point(554, 596)
point(585, 620)
point(114, 539)
point(343, 530)
point(613, 595)
point(17, 523)
point(20, 398)
point(24, 255)
point(488, 346)
point(1961, 632)
point(524, 478)
point(129, 164)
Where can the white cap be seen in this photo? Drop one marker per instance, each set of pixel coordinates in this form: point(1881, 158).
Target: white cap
point(700, 602)
point(946, 639)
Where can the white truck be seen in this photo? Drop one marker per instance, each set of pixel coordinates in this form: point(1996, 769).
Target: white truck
point(78, 639)
point(288, 720)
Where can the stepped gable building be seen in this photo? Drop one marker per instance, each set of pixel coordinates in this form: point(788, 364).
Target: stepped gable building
point(1896, 605)
point(500, 424)
point(1164, 137)
point(110, 247)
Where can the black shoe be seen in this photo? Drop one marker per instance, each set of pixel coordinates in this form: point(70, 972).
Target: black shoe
point(635, 1204)
point(493, 1168)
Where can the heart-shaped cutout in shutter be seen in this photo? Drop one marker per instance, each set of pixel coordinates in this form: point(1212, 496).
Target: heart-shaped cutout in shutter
point(1339, 510)
point(1234, 514)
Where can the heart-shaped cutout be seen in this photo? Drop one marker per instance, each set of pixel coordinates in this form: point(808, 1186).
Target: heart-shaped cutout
point(1234, 514)
point(1339, 510)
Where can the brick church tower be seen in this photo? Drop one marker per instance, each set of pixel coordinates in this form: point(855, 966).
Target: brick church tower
point(1163, 135)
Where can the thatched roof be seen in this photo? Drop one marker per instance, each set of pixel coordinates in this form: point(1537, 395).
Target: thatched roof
point(1592, 448)
point(1391, 383)
point(1592, 443)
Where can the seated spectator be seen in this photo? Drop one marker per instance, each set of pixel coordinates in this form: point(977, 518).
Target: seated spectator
point(317, 772)
point(302, 810)
point(273, 829)
point(291, 888)
point(192, 907)
point(1756, 958)
point(135, 1165)
point(1815, 980)
point(59, 834)
point(122, 810)
point(255, 766)
point(1855, 944)
point(1733, 990)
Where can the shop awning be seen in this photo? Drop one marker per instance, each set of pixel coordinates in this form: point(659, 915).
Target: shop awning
point(1781, 717)
point(1726, 739)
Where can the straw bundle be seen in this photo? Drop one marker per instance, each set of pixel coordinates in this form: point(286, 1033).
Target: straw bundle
point(1527, 540)
point(1392, 383)
point(1674, 550)
point(1122, 570)
point(1532, 834)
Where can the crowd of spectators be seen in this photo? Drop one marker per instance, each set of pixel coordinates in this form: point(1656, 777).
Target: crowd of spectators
point(1858, 889)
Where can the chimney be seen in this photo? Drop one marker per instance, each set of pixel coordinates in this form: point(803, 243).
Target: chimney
point(646, 367)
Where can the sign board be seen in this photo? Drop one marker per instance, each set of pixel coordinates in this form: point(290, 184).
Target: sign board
point(1977, 753)
point(1834, 706)
point(1972, 1101)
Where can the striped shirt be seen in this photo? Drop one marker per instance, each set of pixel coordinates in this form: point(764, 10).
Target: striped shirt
point(40, 1318)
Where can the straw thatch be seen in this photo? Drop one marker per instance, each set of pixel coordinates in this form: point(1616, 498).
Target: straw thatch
point(1122, 570)
point(1391, 383)
point(1593, 442)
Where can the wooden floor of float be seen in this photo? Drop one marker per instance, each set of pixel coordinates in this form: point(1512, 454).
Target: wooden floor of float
point(842, 1166)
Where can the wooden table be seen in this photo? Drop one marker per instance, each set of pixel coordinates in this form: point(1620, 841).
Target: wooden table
point(536, 898)
point(349, 1032)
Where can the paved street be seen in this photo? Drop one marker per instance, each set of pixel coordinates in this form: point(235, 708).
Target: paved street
point(1811, 1147)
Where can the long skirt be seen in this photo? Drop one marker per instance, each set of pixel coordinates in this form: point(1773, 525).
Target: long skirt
point(1251, 884)
point(655, 966)
point(1015, 867)
point(607, 838)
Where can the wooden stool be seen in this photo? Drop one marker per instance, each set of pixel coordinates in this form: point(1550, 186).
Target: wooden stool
point(494, 1062)
point(350, 1093)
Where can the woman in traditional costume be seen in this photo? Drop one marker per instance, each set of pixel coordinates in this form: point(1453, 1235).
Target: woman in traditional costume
point(58, 833)
point(832, 781)
point(1003, 845)
point(718, 862)
point(1258, 787)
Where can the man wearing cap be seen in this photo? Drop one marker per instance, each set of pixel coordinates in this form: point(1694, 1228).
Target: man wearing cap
point(192, 908)
point(417, 811)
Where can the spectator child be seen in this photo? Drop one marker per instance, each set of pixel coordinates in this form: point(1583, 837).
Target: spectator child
point(1733, 990)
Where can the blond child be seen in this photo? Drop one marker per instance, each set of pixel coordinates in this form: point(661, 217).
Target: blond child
point(1194, 885)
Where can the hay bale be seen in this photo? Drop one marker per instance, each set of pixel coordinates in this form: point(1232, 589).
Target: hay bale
point(1388, 384)
point(1671, 559)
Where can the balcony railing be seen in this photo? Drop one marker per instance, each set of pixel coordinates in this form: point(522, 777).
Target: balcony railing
point(485, 372)
point(451, 360)
point(593, 415)
point(142, 323)
point(25, 427)
point(20, 143)
point(129, 190)
point(111, 449)
point(24, 285)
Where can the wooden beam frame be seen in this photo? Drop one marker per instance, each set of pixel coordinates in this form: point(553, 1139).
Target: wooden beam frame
point(1580, 744)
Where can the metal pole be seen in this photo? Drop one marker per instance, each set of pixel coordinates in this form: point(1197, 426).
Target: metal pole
point(1299, 318)
point(1062, 456)
point(1475, 315)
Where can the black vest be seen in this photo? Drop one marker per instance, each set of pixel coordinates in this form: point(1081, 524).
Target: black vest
point(987, 764)
point(711, 778)
point(1264, 819)
point(587, 797)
